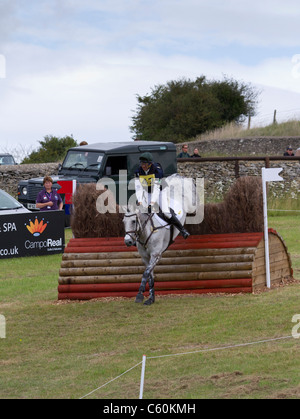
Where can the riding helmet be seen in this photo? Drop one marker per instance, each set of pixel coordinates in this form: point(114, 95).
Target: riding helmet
point(146, 157)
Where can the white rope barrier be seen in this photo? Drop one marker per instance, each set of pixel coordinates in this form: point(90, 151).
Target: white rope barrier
point(221, 348)
point(143, 362)
point(119, 376)
point(283, 210)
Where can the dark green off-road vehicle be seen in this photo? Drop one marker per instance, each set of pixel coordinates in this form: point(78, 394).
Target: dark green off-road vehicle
point(90, 163)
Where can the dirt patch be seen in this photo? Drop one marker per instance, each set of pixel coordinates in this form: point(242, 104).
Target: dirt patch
point(290, 393)
point(238, 385)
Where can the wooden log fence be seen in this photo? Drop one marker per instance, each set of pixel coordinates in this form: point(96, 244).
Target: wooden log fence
point(222, 263)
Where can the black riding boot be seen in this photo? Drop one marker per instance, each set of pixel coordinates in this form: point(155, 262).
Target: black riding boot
point(176, 223)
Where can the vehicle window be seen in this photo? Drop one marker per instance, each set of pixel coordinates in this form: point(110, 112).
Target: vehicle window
point(88, 160)
point(152, 148)
point(114, 164)
point(7, 202)
point(7, 160)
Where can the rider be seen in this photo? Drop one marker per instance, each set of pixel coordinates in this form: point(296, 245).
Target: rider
point(149, 175)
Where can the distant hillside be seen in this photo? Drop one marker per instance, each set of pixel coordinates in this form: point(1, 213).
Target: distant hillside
point(290, 128)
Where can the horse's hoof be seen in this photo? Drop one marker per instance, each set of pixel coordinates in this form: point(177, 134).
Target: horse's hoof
point(139, 298)
point(149, 301)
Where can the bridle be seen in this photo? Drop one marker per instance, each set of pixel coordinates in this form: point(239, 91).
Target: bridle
point(131, 232)
point(140, 227)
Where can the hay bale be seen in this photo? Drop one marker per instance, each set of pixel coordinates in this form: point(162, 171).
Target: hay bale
point(240, 212)
point(87, 222)
point(244, 205)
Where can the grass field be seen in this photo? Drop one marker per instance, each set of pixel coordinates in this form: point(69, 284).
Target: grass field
point(67, 349)
point(288, 128)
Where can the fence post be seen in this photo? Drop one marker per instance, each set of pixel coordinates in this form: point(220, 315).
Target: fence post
point(237, 169)
point(267, 162)
point(2, 327)
point(143, 377)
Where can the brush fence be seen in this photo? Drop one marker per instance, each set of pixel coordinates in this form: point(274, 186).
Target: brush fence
point(221, 263)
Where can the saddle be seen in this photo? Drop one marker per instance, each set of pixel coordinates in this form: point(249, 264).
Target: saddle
point(164, 220)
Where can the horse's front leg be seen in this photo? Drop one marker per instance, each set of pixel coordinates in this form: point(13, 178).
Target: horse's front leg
point(153, 262)
point(151, 298)
point(146, 276)
point(146, 259)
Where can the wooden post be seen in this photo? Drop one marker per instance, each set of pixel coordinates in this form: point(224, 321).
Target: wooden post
point(237, 169)
point(274, 118)
point(267, 162)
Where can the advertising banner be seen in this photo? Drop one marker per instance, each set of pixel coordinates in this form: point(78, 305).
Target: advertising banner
point(32, 234)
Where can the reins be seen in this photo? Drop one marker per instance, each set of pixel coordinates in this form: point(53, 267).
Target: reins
point(142, 228)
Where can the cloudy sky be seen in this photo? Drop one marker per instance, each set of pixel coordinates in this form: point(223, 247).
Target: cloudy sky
point(75, 66)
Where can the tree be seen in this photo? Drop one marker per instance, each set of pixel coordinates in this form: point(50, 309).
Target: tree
point(183, 109)
point(236, 100)
point(52, 149)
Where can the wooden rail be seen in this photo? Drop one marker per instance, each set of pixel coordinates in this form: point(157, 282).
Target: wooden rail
point(231, 263)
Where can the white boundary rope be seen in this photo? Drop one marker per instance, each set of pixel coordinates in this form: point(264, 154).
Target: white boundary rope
point(110, 381)
point(279, 210)
point(222, 348)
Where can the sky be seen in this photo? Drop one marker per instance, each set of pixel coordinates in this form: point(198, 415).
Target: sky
point(75, 67)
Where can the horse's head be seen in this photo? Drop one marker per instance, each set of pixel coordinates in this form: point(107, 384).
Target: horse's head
point(130, 221)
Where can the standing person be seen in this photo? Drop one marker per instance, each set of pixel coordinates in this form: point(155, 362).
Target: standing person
point(196, 153)
point(184, 152)
point(289, 152)
point(148, 181)
point(49, 199)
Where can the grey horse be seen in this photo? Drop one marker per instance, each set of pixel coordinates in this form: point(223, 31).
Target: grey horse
point(152, 239)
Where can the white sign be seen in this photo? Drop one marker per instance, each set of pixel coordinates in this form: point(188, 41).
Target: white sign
point(271, 175)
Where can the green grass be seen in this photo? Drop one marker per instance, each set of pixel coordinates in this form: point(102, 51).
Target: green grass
point(288, 128)
point(288, 226)
point(67, 349)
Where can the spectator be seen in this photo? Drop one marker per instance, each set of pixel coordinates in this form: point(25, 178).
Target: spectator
point(298, 152)
point(196, 153)
point(83, 143)
point(184, 153)
point(289, 152)
point(49, 199)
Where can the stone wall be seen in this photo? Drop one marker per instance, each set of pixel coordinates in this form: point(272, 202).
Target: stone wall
point(10, 176)
point(220, 176)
